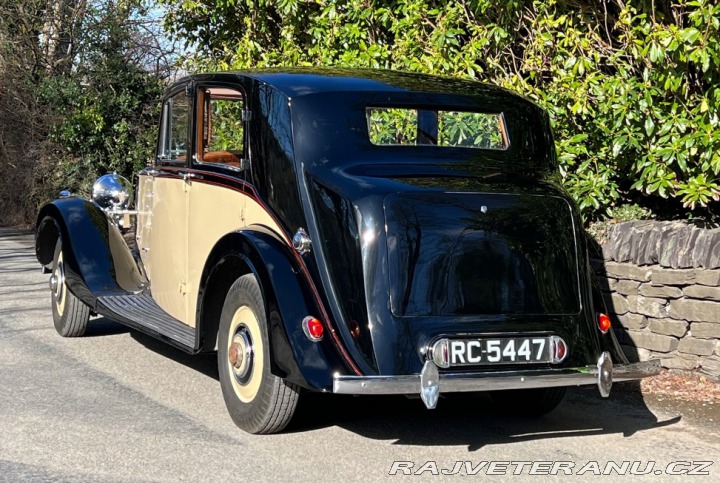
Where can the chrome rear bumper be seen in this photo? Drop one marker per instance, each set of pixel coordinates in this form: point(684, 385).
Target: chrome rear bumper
point(603, 374)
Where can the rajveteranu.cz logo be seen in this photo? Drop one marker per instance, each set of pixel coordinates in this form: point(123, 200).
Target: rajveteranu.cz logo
point(499, 468)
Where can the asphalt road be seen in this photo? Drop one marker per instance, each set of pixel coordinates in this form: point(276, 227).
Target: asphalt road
point(116, 405)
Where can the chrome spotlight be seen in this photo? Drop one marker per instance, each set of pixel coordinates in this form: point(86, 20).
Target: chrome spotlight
point(112, 192)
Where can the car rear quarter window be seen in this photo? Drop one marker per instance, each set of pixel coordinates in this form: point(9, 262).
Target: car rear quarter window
point(391, 126)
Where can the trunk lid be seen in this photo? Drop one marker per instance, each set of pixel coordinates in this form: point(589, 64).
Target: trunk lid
point(465, 254)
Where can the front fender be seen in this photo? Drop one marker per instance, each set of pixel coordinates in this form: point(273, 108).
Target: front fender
point(97, 260)
point(288, 300)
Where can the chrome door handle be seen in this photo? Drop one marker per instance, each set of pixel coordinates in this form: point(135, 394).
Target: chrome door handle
point(189, 176)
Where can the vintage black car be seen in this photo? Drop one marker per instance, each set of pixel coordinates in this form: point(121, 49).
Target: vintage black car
point(356, 232)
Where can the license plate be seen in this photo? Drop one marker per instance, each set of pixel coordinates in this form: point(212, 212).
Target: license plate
point(516, 350)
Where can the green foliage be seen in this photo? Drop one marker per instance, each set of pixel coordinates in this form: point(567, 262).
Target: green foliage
point(630, 212)
point(109, 104)
point(109, 125)
point(388, 126)
point(631, 86)
point(470, 129)
point(598, 230)
point(227, 126)
point(79, 97)
point(465, 129)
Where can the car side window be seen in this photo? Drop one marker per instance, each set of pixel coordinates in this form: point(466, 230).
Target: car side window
point(174, 130)
point(221, 129)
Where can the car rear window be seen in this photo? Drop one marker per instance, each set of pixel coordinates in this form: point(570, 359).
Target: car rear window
point(391, 126)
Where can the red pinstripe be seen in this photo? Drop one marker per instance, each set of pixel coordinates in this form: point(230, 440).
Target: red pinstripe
point(301, 263)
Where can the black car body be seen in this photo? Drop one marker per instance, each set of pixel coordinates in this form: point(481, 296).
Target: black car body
point(396, 247)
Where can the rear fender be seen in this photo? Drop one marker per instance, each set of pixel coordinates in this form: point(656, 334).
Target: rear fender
point(287, 301)
point(608, 341)
point(97, 260)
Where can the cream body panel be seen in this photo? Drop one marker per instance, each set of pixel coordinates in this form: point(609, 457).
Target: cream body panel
point(167, 257)
point(214, 212)
point(143, 222)
point(127, 274)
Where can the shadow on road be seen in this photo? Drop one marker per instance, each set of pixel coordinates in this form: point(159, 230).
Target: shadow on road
point(203, 363)
point(460, 419)
point(473, 420)
point(103, 326)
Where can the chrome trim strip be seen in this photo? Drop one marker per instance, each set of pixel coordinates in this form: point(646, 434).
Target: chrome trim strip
point(492, 381)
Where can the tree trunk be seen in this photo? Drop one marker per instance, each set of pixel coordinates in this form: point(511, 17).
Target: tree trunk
point(63, 19)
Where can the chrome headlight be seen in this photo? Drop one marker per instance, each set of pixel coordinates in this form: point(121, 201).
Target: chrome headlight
point(112, 192)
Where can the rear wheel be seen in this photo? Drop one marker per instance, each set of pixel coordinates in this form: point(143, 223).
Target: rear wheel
point(258, 401)
point(529, 402)
point(70, 314)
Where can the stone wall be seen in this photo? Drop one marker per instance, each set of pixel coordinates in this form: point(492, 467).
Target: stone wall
point(661, 282)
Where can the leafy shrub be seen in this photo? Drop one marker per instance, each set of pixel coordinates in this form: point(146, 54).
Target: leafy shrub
point(631, 86)
point(108, 125)
point(76, 104)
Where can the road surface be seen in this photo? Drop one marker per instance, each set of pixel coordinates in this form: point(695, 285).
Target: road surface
point(116, 405)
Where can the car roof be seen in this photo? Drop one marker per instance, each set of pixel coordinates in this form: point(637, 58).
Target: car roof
point(328, 111)
point(304, 81)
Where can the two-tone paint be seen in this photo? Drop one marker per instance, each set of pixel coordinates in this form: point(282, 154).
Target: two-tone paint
point(311, 165)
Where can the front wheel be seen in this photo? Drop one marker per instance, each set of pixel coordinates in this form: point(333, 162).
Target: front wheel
point(258, 401)
point(529, 402)
point(70, 314)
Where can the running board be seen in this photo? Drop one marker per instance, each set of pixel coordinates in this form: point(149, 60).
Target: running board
point(142, 313)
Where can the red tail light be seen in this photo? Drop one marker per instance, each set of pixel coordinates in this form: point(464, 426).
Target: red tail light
point(604, 323)
point(313, 328)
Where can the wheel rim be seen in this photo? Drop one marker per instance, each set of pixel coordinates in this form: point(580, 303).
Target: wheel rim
point(57, 284)
point(245, 354)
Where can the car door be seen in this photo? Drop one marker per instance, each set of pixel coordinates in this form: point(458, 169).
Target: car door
point(216, 201)
point(162, 209)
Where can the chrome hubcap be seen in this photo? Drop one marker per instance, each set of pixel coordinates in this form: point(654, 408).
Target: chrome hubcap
point(57, 281)
point(240, 354)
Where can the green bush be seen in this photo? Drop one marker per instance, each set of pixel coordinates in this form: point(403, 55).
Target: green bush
point(108, 123)
point(107, 107)
point(631, 86)
point(76, 104)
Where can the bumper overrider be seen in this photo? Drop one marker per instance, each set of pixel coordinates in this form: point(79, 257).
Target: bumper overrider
point(430, 382)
